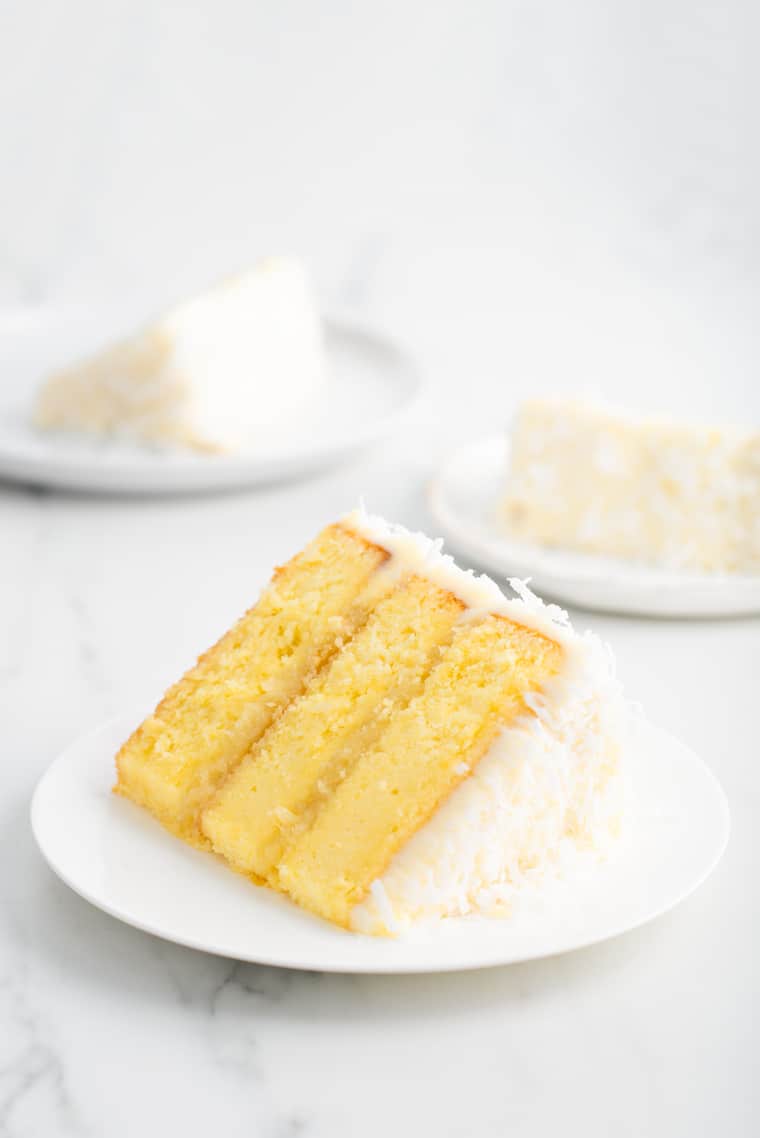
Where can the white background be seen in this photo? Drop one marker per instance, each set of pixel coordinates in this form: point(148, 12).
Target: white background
point(554, 195)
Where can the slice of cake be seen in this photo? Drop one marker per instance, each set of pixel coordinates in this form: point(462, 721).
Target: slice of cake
point(387, 738)
point(210, 374)
point(678, 496)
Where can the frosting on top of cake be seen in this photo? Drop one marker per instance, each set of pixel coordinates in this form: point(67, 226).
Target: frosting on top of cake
point(418, 553)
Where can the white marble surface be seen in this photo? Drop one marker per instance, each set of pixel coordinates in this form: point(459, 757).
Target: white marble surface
point(108, 1031)
point(553, 194)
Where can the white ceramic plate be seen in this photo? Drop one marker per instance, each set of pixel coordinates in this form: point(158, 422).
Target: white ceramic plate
point(464, 498)
point(371, 384)
point(116, 856)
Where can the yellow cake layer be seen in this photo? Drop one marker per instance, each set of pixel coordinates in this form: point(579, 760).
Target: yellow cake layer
point(427, 749)
point(286, 777)
point(198, 733)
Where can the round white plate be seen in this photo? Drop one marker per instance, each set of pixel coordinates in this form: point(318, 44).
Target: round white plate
point(371, 384)
point(464, 498)
point(115, 855)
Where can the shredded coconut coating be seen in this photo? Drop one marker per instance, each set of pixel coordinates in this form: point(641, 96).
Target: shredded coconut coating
point(667, 494)
point(549, 792)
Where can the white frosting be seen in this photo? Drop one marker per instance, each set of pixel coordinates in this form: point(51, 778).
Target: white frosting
point(548, 790)
point(548, 793)
point(211, 373)
point(417, 553)
point(685, 497)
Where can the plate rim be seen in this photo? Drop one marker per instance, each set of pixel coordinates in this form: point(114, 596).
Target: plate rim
point(586, 570)
point(187, 473)
point(293, 962)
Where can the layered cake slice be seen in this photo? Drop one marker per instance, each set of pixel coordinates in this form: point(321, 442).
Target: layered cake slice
point(669, 494)
point(210, 374)
point(387, 738)
point(205, 723)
